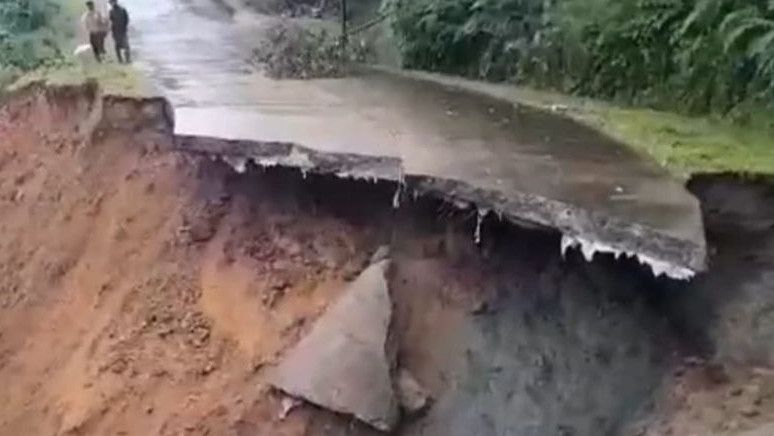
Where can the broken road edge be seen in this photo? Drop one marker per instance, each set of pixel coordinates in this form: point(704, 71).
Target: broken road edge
point(588, 230)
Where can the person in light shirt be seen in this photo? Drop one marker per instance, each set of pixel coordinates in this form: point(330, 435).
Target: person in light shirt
point(96, 26)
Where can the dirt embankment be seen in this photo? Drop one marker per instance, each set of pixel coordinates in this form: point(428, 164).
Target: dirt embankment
point(145, 291)
point(726, 316)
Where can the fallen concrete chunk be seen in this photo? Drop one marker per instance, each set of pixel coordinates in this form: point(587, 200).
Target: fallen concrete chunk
point(413, 397)
point(288, 405)
point(381, 253)
point(342, 365)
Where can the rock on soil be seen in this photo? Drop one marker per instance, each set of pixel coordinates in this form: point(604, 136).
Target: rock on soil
point(413, 397)
point(342, 364)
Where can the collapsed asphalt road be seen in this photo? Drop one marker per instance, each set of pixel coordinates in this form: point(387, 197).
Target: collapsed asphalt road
point(532, 168)
point(152, 290)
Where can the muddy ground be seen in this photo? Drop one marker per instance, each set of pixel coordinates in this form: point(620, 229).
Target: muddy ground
point(145, 291)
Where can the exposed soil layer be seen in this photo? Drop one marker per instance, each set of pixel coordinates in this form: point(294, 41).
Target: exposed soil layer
point(726, 317)
point(732, 308)
point(146, 291)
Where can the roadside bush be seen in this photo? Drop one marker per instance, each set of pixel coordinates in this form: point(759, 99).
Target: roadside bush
point(20, 16)
point(297, 8)
point(25, 43)
point(289, 51)
point(694, 55)
point(485, 38)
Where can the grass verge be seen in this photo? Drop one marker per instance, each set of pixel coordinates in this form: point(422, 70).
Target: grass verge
point(63, 31)
point(689, 145)
point(113, 78)
point(684, 145)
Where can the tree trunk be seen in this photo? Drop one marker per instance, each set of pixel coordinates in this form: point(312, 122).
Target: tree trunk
point(344, 21)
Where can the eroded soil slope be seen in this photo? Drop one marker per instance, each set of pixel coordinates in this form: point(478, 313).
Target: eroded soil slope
point(147, 292)
point(141, 291)
point(144, 291)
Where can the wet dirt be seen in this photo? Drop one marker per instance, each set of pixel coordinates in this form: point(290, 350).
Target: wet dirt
point(725, 317)
point(514, 343)
point(148, 291)
point(144, 291)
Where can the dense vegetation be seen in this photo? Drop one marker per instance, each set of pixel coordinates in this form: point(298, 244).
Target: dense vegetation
point(27, 39)
point(291, 51)
point(699, 56)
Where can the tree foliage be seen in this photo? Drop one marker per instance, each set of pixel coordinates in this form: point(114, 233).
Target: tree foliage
point(695, 55)
point(290, 51)
point(20, 45)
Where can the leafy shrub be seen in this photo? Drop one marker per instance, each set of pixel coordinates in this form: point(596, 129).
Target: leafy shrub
point(694, 55)
point(485, 38)
point(289, 51)
point(23, 45)
point(19, 16)
point(297, 8)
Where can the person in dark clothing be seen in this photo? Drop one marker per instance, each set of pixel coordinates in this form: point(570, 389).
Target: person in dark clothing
point(119, 24)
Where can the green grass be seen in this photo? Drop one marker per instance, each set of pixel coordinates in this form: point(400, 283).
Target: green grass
point(686, 145)
point(63, 29)
point(682, 144)
point(43, 45)
point(114, 78)
point(67, 21)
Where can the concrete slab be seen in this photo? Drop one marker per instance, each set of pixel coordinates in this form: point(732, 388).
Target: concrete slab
point(342, 364)
point(524, 165)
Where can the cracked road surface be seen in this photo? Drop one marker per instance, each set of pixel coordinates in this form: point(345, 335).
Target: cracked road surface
point(195, 52)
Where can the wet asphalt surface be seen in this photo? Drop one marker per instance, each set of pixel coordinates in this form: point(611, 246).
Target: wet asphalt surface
point(197, 54)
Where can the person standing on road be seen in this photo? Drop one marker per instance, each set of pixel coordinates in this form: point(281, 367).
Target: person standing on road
point(119, 20)
point(95, 25)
